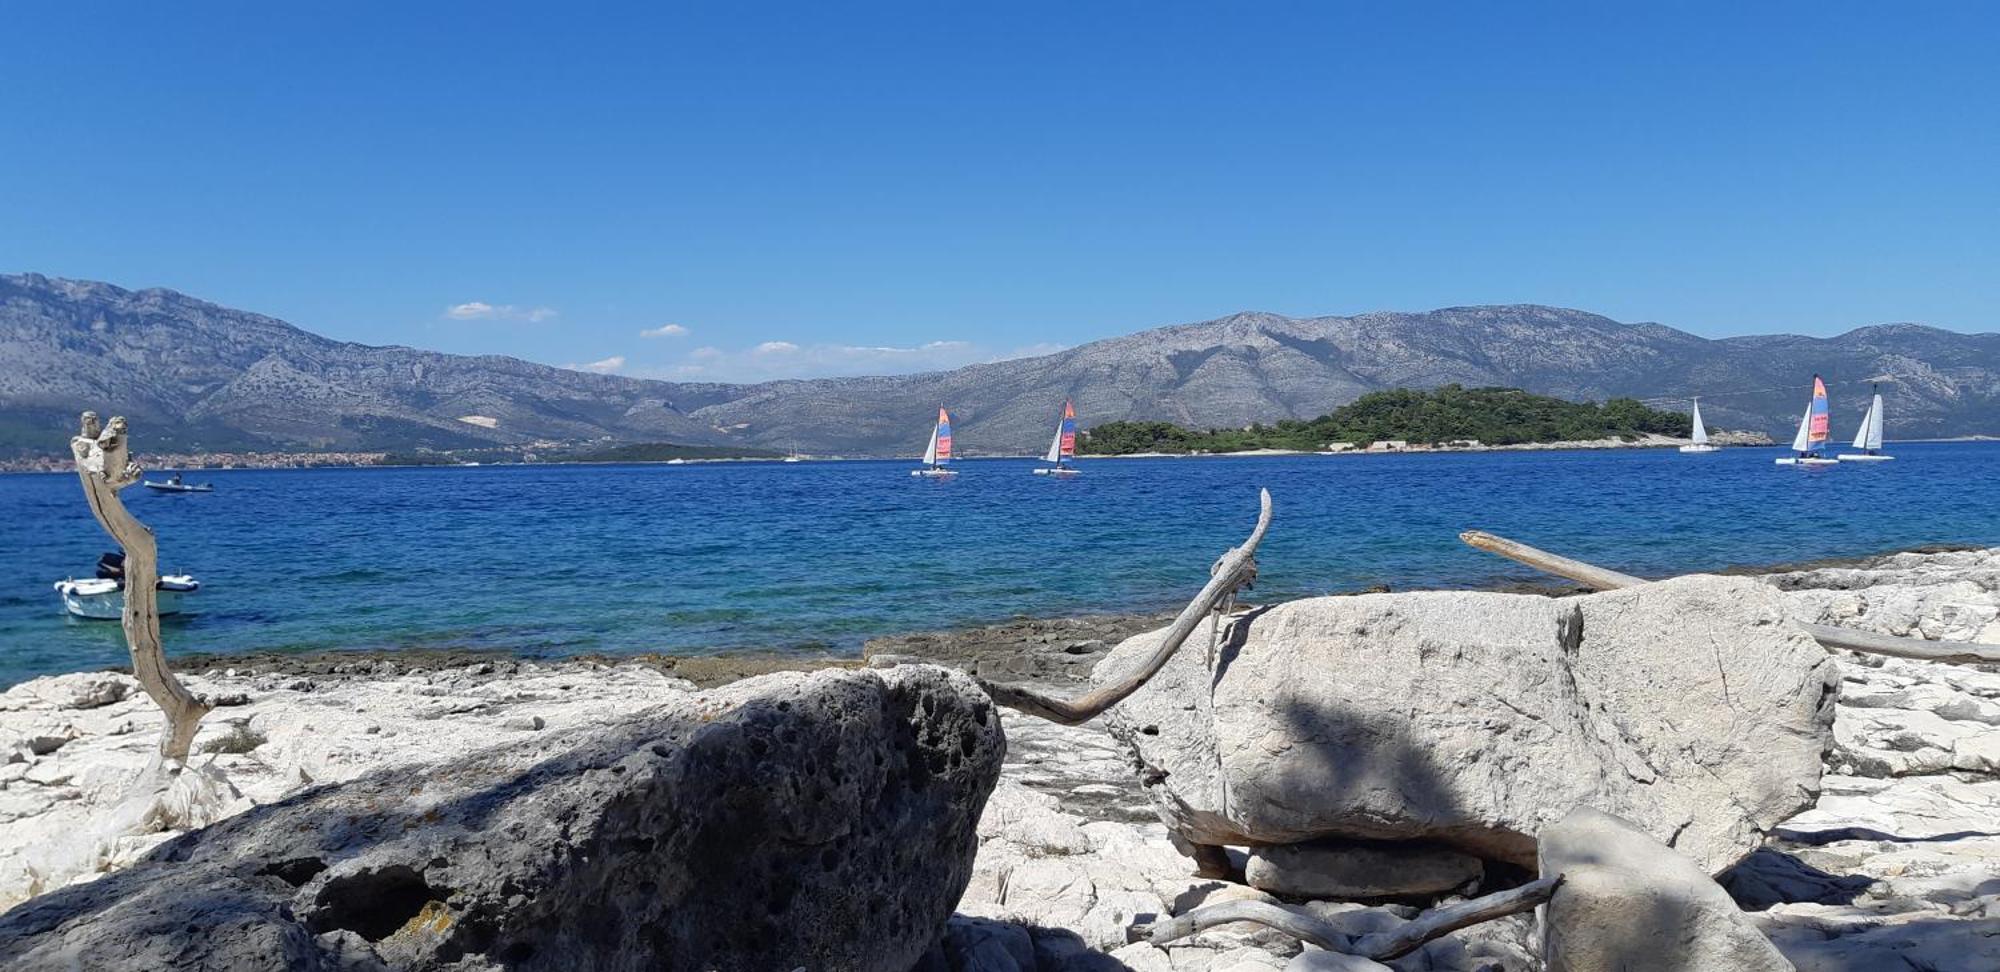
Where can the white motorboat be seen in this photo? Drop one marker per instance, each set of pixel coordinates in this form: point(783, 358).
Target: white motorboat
point(1812, 435)
point(102, 598)
point(1062, 446)
point(938, 452)
point(175, 485)
point(1700, 438)
point(1869, 439)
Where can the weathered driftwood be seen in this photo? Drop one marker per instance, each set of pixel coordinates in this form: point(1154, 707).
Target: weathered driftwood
point(1380, 946)
point(1236, 569)
point(103, 465)
point(1829, 636)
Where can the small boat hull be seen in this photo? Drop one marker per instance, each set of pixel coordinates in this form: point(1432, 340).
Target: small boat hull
point(178, 487)
point(1806, 461)
point(1864, 457)
point(104, 600)
point(1699, 448)
point(934, 473)
point(1060, 472)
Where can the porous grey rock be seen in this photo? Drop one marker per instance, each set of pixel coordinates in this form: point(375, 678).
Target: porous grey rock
point(1693, 707)
point(1629, 902)
point(1347, 869)
point(824, 820)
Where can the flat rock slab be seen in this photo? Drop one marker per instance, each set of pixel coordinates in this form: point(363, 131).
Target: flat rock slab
point(1693, 707)
point(824, 820)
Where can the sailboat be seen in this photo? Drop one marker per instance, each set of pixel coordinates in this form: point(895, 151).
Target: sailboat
point(1063, 445)
point(1700, 443)
point(1812, 435)
point(1869, 439)
point(795, 457)
point(939, 451)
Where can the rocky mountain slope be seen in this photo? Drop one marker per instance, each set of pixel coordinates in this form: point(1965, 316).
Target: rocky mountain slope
point(196, 375)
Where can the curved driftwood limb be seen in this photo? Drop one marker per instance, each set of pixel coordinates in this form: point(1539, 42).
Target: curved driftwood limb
point(1438, 922)
point(1299, 925)
point(1236, 569)
point(1829, 636)
point(104, 467)
point(1380, 946)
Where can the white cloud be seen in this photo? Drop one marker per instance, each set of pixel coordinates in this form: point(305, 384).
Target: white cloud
point(479, 310)
point(664, 330)
point(611, 365)
point(775, 347)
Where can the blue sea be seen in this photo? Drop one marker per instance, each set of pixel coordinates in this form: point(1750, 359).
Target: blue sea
point(819, 556)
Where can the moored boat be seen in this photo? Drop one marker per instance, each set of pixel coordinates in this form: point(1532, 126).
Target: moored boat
point(1869, 439)
point(174, 485)
point(938, 453)
point(1699, 441)
point(102, 598)
point(1062, 446)
point(1808, 444)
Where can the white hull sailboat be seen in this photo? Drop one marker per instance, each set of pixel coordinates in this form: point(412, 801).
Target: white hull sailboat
point(1812, 434)
point(1700, 438)
point(1869, 439)
point(1063, 446)
point(938, 452)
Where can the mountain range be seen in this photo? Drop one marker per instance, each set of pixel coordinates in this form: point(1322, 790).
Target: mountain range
point(194, 375)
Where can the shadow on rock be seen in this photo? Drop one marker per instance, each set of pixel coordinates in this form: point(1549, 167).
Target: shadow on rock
point(986, 945)
point(1772, 877)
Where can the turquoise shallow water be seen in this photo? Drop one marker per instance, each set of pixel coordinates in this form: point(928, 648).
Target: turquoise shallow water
point(819, 556)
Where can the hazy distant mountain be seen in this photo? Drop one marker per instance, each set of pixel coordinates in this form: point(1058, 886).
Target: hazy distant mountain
point(195, 374)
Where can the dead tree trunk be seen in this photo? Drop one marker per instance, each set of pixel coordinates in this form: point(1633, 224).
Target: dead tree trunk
point(103, 465)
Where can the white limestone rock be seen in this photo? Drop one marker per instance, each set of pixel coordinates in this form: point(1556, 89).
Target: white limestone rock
point(1693, 707)
point(1630, 903)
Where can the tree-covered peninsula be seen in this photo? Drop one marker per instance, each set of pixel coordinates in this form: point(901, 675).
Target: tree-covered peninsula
point(1453, 413)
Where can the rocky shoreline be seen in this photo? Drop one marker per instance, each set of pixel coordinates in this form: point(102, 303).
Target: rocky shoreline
point(1896, 867)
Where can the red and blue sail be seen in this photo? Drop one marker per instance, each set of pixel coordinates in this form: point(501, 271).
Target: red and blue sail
point(943, 436)
point(1817, 426)
point(1068, 429)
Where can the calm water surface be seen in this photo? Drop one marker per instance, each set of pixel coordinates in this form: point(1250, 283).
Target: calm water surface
point(819, 556)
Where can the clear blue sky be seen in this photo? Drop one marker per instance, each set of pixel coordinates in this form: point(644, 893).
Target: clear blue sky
point(886, 187)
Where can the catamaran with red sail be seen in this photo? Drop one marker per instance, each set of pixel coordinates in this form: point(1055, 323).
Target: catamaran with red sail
point(1063, 446)
point(1809, 444)
point(938, 454)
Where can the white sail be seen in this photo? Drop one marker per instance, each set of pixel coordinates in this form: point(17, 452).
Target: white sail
point(1870, 436)
point(1055, 445)
point(930, 451)
point(1700, 430)
point(1803, 441)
